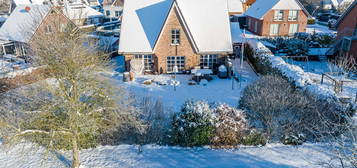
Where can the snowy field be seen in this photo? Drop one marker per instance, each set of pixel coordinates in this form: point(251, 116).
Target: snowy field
point(128, 156)
point(317, 68)
point(217, 90)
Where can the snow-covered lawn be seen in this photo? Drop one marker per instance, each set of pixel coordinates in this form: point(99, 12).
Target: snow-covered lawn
point(315, 70)
point(217, 90)
point(127, 156)
point(318, 29)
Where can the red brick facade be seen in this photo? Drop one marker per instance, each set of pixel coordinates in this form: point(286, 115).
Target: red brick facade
point(347, 27)
point(164, 48)
point(263, 26)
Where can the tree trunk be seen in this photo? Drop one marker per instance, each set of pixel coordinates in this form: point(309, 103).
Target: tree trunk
point(75, 151)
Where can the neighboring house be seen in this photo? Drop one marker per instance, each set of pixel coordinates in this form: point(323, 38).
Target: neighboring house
point(25, 22)
point(347, 32)
point(276, 17)
point(113, 9)
point(82, 14)
point(235, 7)
point(247, 4)
point(78, 11)
point(335, 4)
point(175, 33)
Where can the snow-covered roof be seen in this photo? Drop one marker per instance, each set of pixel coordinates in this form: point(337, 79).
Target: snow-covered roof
point(235, 6)
point(236, 33)
point(262, 7)
point(337, 3)
point(21, 25)
point(347, 12)
point(144, 19)
point(80, 11)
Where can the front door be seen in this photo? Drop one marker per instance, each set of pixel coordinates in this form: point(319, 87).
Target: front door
point(173, 61)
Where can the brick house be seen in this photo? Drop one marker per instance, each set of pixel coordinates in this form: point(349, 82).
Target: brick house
point(25, 22)
point(347, 32)
point(113, 9)
point(276, 17)
point(168, 33)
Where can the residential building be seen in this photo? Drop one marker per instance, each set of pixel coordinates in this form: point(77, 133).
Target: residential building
point(347, 32)
point(76, 10)
point(175, 33)
point(113, 9)
point(276, 17)
point(26, 21)
point(82, 14)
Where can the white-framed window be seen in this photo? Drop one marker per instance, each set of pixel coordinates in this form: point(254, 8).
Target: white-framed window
point(274, 29)
point(173, 61)
point(346, 43)
point(48, 29)
point(107, 12)
point(117, 13)
point(148, 61)
point(249, 22)
point(293, 28)
point(175, 36)
point(293, 15)
point(63, 27)
point(208, 61)
point(278, 15)
point(256, 26)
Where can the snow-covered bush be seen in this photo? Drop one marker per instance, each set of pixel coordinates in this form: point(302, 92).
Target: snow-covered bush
point(231, 126)
point(194, 125)
point(291, 46)
point(261, 65)
point(319, 40)
point(254, 138)
point(297, 47)
point(275, 106)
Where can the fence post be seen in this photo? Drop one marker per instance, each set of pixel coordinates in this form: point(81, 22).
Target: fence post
point(322, 78)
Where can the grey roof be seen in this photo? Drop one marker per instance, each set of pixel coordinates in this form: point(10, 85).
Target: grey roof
point(21, 25)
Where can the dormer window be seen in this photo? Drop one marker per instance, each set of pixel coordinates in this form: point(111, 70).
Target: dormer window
point(278, 15)
point(293, 15)
point(175, 36)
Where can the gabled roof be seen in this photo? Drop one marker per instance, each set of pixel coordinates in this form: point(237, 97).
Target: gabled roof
point(21, 25)
point(235, 6)
point(261, 7)
point(80, 11)
point(143, 21)
point(337, 3)
point(352, 6)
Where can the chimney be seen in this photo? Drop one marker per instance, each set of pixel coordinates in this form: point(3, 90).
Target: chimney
point(27, 9)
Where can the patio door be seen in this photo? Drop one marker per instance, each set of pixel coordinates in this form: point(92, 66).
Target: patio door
point(178, 61)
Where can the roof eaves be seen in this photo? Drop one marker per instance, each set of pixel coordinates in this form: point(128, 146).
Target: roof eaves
point(354, 4)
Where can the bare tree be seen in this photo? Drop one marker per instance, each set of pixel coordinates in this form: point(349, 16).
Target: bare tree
point(82, 103)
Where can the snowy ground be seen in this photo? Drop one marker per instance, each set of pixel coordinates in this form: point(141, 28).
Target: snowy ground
point(319, 29)
point(217, 90)
point(316, 68)
point(272, 155)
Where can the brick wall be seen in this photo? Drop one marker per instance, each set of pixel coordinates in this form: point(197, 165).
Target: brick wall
point(348, 24)
point(164, 48)
point(264, 25)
